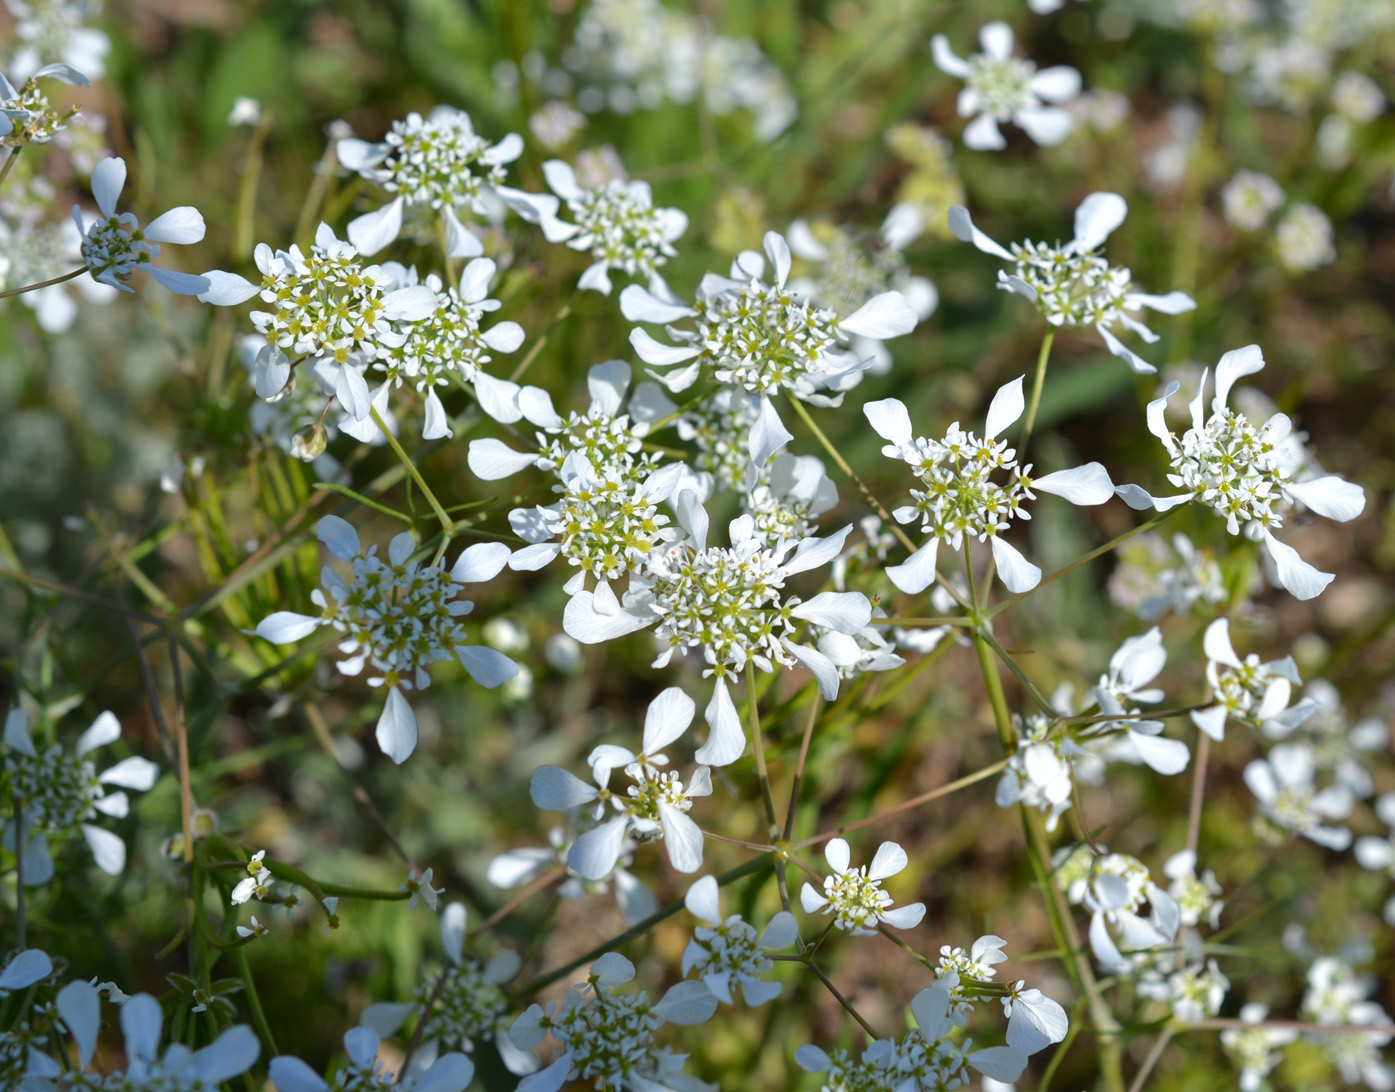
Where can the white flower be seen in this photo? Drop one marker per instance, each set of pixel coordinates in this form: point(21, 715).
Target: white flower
point(1039, 773)
point(1000, 87)
point(245, 111)
point(1378, 854)
point(1358, 97)
point(1249, 199)
point(438, 163)
point(960, 498)
point(606, 1038)
point(788, 497)
point(229, 1056)
point(1304, 239)
point(256, 884)
point(728, 950)
point(420, 888)
point(616, 222)
point(326, 305)
point(1196, 992)
point(61, 794)
point(850, 273)
point(1072, 284)
point(255, 929)
point(1338, 996)
point(761, 337)
point(363, 1071)
point(1152, 579)
point(1117, 887)
point(654, 807)
point(1135, 664)
point(1197, 897)
point(1245, 474)
point(36, 252)
point(1347, 750)
point(397, 618)
point(25, 114)
point(855, 896)
point(1253, 1048)
point(1249, 692)
point(114, 247)
point(1283, 785)
point(978, 965)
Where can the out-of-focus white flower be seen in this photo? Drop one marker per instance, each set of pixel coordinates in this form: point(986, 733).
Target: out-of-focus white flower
point(1378, 854)
point(1000, 87)
point(1116, 889)
point(727, 950)
point(654, 807)
point(1245, 691)
point(556, 123)
point(1198, 898)
point(25, 114)
point(1304, 239)
point(563, 653)
point(1249, 199)
point(1039, 773)
point(253, 930)
point(1245, 474)
point(361, 1069)
point(1338, 996)
point(245, 111)
point(397, 618)
point(738, 319)
point(49, 28)
point(1345, 749)
point(35, 252)
point(1136, 663)
point(960, 499)
point(608, 1037)
point(1253, 1048)
point(855, 896)
point(1073, 285)
point(1283, 785)
point(114, 247)
point(617, 222)
point(420, 888)
point(57, 795)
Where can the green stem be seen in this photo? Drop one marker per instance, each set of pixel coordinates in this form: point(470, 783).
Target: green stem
point(10, 163)
point(254, 1002)
point(767, 797)
point(43, 284)
point(447, 524)
point(1038, 381)
point(557, 319)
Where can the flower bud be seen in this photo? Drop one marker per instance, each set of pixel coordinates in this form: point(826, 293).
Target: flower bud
point(309, 443)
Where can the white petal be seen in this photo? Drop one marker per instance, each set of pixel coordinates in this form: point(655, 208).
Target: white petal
point(1046, 125)
point(657, 353)
point(638, 304)
point(824, 670)
point(904, 917)
point(945, 58)
point(555, 789)
point(1166, 756)
point(290, 1074)
point(1001, 1063)
point(286, 626)
point(108, 851)
point(917, 572)
point(682, 838)
point(1088, 484)
point(667, 718)
point(1303, 581)
point(228, 289)
point(983, 135)
point(410, 304)
point(1135, 362)
point(1059, 83)
point(487, 666)
point(136, 773)
point(890, 860)
point(838, 855)
point(181, 284)
point(461, 242)
point(34, 965)
point(768, 433)
point(141, 1021)
point(1007, 407)
point(1018, 574)
point(270, 371)
point(352, 391)
point(64, 73)
point(397, 727)
point(779, 252)
point(1331, 496)
point(81, 1008)
point(845, 612)
point(704, 901)
point(475, 278)
point(1232, 366)
point(498, 397)
point(1217, 645)
point(453, 919)
point(517, 866)
point(726, 741)
point(105, 729)
point(561, 179)
point(1174, 303)
point(358, 155)
point(780, 932)
point(436, 424)
point(996, 39)
point(480, 562)
point(228, 1056)
point(181, 225)
point(811, 900)
point(1096, 218)
point(594, 854)
point(108, 178)
point(583, 622)
point(374, 230)
point(815, 552)
point(962, 225)
point(890, 419)
point(886, 315)
point(492, 459)
point(804, 243)
point(686, 1004)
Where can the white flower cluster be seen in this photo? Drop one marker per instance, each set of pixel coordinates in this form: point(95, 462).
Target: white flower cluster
point(397, 618)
